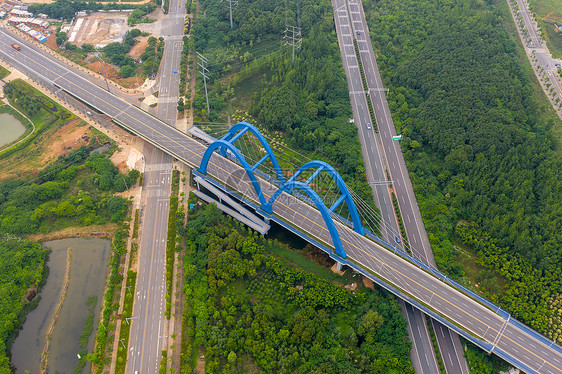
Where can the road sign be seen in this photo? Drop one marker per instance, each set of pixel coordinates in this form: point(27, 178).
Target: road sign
point(397, 137)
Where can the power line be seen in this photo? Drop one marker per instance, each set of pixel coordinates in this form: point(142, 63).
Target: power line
point(293, 36)
point(203, 71)
point(231, 3)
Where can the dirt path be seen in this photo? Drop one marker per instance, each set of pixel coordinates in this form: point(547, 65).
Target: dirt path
point(45, 353)
point(94, 231)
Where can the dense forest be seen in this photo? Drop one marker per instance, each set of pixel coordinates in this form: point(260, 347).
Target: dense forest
point(307, 102)
point(479, 146)
point(252, 311)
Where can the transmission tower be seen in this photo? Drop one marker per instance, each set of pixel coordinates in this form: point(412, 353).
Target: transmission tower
point(293, 36)
point(203, 71)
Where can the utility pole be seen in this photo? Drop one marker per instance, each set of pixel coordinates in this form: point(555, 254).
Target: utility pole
point(231, 3)
point(293, 36)
point(203, 71)
point(102, 70)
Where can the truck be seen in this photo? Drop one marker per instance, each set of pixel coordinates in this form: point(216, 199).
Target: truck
point(16, 47)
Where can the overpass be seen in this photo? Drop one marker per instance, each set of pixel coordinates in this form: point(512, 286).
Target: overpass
point(471, 316)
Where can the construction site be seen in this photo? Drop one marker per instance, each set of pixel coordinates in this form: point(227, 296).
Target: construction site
point(98, 29)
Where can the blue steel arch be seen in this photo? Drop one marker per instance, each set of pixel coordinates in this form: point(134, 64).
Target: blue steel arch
point(219, 143)
point(292, 184)
point(236, 131)
point(345, 195)
point(227, 143)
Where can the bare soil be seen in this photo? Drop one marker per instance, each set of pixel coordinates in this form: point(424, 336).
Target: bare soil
point(112, 74)
point(51, 41)
point(200, 366)
point(139, 47)
point(95, 231)
point(44, 150)
point(368, 283)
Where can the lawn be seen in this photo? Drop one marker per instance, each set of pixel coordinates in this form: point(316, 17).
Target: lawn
point(549, 10)
point(4, 72)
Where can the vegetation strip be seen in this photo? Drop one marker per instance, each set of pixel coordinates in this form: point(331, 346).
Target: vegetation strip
point(86, 332)
point(365, 87)
point(435, 345)
point(401, 223)
point(123, 344)
point(171, 241)
point(45, 353)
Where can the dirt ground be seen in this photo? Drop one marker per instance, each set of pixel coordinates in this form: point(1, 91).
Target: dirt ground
point(95, 231)
point(111, 72)
point(100, 28)
point(139, 47)
point(51, 41)
point(45, 150)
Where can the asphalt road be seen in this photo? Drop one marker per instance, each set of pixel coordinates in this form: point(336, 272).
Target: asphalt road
point(148, 324)
point(536, 40)
point(542, 54)
point(422, 353)
point(169, 72)
point(449, 343)
point(517, 344)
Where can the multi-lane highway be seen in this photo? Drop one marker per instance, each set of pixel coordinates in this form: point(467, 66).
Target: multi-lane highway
point(169, 73)
point(423, 355)
point(149, 328)
point(492, 328)
point(449, 344)
point(148, 323)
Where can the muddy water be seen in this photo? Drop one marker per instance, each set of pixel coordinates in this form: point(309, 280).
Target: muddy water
point(10, 129)
point(87, 278)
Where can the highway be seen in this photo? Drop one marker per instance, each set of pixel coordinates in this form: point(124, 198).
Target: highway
point(503, 335)
point(449, 343)
point(148, 322)
point(422, 353)
point(149, 328)
point(169, 72)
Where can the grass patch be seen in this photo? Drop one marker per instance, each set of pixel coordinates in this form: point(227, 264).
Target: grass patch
point(89, 324)
point(42, 111)
point(123, 345)
point(549, 10)
point(553, 38)
point(295, 258)
point(4, 72)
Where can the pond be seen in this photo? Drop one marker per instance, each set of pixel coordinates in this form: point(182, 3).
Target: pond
point(89, 261)
point(10, 129)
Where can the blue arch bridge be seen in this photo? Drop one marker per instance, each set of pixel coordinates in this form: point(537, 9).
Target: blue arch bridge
point(256, 199)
